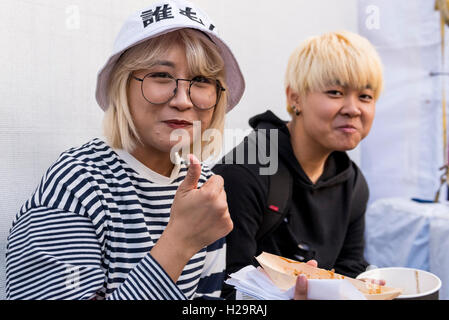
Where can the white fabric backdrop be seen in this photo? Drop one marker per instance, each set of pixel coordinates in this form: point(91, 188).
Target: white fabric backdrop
point(402, 154)
point(51, 51)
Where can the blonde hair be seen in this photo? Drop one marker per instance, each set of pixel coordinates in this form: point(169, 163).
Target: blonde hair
point(203, 58)
point(336, 58)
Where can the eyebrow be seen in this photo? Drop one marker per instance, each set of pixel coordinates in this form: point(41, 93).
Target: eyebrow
point(165, 63)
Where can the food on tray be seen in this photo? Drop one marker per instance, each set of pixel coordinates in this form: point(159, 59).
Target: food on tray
point(283, 272)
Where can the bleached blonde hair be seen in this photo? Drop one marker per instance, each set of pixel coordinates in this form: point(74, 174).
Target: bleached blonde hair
point(203, 58)
point(336, 58)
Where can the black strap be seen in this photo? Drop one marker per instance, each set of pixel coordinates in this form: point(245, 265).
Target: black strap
point(279, 190)
point(278, 201)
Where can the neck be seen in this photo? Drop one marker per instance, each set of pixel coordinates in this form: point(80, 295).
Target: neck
point(156, 160)
point(311, 156)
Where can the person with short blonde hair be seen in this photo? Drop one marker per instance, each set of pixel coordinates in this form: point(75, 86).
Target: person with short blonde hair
point(314, 206)
point(127, 218)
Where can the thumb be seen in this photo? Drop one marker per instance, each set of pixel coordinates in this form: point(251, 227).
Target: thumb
point(193, 174)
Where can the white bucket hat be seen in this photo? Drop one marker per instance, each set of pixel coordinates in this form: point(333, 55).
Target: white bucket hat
point(163, 17)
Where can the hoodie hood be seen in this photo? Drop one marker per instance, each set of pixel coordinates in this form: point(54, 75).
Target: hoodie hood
point(337, 169)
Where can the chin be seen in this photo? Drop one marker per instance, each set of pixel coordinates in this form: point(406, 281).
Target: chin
point(349, 148)
point(164, 146)
point(347, 143)
point(176, 147)
point(346, 146)
point(166, 142)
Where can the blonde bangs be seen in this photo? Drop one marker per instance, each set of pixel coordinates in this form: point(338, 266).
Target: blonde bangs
point(202, 56)
point(339, 58)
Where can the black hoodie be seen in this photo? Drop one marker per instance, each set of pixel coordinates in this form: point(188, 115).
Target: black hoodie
point(328, 216)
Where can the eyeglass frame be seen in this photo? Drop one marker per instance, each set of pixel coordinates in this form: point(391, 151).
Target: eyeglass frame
point(220, 89)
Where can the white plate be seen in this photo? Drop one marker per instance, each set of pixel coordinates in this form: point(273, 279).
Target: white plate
point(414, 283)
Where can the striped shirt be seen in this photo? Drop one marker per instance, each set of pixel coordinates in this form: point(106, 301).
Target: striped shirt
point(87, 232)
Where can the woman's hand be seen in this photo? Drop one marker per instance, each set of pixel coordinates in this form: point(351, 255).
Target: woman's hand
point(198, 217)
point(301, 283)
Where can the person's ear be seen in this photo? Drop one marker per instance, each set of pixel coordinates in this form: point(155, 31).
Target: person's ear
point(293, 101)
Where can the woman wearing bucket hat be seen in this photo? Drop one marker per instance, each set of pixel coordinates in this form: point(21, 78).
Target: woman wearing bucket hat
point(122, 219)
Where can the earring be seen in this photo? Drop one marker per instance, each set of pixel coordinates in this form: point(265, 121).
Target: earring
point(297, 112)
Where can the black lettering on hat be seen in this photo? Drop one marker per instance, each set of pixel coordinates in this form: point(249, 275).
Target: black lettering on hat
point(191, 15)
point(158, 14)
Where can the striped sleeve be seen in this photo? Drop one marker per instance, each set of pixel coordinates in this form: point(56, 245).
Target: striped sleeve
point(54, 254)
point(212, 277)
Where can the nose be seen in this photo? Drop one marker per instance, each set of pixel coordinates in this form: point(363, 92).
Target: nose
point(351, 107)
point(181, 100)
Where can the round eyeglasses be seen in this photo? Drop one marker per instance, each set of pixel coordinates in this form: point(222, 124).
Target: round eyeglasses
point(160, 87)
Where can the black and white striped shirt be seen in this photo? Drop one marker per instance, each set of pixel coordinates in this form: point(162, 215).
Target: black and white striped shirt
point(87, 231)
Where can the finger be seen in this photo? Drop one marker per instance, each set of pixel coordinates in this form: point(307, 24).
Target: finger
point(193, 175)
point(223, 194)
point(312, 263)
point(301, 288)
point(228, 224)
point(214, 184)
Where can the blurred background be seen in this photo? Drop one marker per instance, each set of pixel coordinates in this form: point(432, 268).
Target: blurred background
point(52, 50)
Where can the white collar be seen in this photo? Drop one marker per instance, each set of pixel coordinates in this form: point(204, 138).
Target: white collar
point(146, 172)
